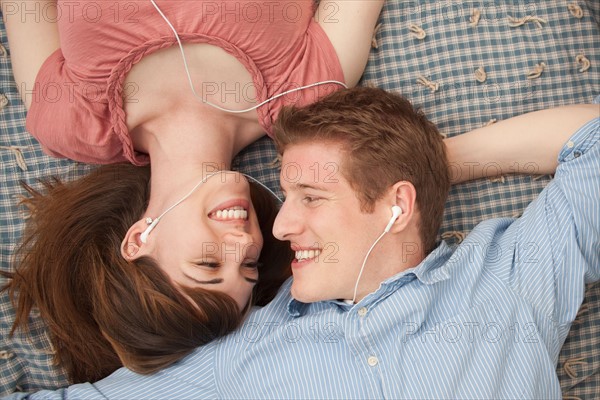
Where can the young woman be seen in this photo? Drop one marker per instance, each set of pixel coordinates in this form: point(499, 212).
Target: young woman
point(137, 267)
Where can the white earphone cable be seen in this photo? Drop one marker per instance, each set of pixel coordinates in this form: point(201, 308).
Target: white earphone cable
point(189, 77)
point(365, 263)
point(153, 222)
point(263, 185)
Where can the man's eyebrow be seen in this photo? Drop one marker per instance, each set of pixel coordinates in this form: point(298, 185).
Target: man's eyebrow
point(302, 186)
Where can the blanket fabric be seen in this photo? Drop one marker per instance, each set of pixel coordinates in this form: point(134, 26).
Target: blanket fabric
point(465, 64)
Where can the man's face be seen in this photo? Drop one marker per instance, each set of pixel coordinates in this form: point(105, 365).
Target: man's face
point(322, 219)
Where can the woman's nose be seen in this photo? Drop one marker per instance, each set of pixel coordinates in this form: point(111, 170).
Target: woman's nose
point(241, 245)
point(237, 236)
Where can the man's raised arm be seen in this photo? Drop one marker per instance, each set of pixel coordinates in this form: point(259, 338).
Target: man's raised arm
point(533, 139)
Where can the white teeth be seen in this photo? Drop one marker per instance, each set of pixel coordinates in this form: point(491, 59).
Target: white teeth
point(231, 214)
point(307, 254)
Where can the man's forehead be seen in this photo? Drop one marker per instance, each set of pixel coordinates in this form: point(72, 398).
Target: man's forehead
point(311, 165)
point(313, 153)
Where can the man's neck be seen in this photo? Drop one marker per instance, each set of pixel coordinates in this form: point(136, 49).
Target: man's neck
point(392, 255)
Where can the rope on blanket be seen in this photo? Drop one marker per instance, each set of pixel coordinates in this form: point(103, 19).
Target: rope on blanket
point(417, 31)
point(515, 22)
point(459, 236)
point(498, 179)
point(6, 355)
point(3, 52)
point(3, 101)
point(584, 62)
point(474, 18)
point(537, 71)
point(16, 150)
point(433, 86)
point(276, 162)
point(374, 38)
point(569, 366)
point(575, 10)
point(480, 74)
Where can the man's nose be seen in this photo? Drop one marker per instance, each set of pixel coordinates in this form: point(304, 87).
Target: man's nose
point(287, 223)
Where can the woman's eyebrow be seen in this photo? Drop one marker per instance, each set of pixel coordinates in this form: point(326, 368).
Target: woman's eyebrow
point(218, 280)
point(209, 282)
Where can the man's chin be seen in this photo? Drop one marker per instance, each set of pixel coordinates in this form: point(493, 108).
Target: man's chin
point(304, 296)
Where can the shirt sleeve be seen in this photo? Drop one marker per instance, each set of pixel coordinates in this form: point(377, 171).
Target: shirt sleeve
point(192, 377)
point(557, 241)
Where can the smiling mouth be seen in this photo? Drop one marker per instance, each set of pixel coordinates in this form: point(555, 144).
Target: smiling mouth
point(230, 214)
point(305, 255)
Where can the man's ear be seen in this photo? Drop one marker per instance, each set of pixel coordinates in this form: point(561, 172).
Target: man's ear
point(132, 246)
point(403, 195)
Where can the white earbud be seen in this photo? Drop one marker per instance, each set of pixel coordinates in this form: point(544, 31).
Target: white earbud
point(396, 212)
point(144, 235)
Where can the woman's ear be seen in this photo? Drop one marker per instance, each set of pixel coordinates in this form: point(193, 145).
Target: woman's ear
point(132, 246)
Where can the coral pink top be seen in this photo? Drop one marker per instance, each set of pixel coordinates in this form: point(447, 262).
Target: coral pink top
point(77, 110)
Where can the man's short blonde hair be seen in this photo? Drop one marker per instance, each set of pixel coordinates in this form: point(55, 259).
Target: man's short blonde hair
point(385, 140)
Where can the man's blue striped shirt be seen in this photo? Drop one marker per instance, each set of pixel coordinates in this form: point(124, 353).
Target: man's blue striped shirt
point(485, 320)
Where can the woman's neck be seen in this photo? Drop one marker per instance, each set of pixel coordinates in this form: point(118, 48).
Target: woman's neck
point(184, 149)
point(185, 138)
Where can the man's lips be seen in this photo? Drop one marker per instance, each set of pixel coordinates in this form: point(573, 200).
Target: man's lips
point(307, 254)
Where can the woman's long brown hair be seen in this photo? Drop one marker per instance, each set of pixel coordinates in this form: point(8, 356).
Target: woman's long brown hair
point(102, 311)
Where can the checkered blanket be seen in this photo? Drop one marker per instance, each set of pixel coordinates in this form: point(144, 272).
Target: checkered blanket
point(464, 63)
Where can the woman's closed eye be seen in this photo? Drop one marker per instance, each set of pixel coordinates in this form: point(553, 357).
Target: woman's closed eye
point(209, 264)
point(249, 272)
point(252, 265)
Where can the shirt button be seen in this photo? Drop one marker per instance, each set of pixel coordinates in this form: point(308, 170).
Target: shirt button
point(570, 144)
point(362, 311)
point(373, 361)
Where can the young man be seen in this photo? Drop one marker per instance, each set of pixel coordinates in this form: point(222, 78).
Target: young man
point(373, 310)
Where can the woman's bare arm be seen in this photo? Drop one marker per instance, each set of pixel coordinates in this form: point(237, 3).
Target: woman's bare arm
point(32, 32)
point(350, 24)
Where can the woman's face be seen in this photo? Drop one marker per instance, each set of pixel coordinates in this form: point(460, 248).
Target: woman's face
point(212, 239)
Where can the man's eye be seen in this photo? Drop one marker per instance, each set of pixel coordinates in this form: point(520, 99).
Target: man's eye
point(311, 199)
